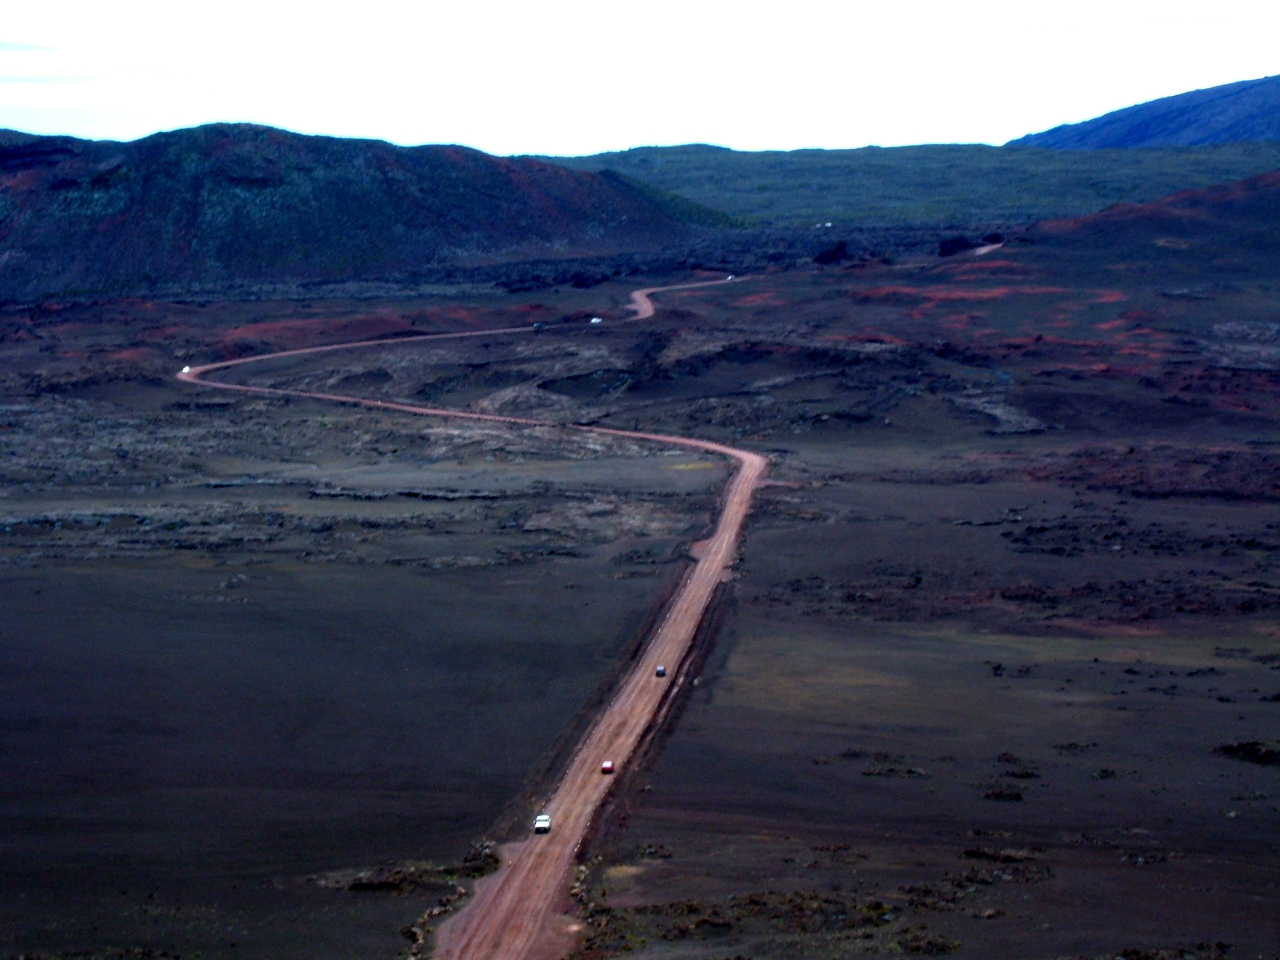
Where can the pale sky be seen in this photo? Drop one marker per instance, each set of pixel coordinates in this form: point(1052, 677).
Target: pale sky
point(574, 77)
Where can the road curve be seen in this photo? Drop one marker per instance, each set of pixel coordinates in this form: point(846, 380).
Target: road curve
point(518, 913)
point(643, 305)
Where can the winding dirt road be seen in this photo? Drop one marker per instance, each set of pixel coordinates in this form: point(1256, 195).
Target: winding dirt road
point(520, 911)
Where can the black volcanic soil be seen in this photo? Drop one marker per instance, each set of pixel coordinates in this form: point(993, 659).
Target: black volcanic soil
point(252, 647)
point(1010, 749)
point(997, 677)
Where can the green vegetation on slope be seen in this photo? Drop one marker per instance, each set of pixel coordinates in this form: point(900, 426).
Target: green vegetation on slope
point(677, 207)
point(936, 184)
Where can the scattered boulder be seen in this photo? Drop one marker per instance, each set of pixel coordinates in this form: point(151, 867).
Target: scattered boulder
point(1003, 795)
point(1263, 752)
point(834, 254)
point(950, 246)
point(1006, 855)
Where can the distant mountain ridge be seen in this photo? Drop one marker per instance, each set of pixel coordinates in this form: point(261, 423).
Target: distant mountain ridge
point(947, 186)
point(238, 203)
point(1246, 111)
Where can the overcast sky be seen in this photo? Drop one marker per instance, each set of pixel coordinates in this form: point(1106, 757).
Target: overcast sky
point(582, 76)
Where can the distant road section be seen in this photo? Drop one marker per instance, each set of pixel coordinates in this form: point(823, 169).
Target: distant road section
point(520, 912)
point(643, 305)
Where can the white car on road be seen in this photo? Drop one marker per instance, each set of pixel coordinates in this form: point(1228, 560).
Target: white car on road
point(542, 823)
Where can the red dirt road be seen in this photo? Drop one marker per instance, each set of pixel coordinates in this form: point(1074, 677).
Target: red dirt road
point(517, 913)
point(520, 912)
point(643, 306)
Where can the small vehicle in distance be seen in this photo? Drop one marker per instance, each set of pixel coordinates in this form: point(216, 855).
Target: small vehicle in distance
point(542, 823)
point(661, 671)
point(595, 320)
point(186, 369)
point(606, 767)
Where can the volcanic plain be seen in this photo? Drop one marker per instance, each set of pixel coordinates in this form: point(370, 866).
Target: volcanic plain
point(998, 674)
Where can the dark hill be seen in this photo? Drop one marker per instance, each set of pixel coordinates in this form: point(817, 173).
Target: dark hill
point(1242, 209)
point(235, 204)
point(1232, 113)
point(1233, 228)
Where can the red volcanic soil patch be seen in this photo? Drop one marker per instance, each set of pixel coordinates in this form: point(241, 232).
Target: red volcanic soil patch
point(924, 299)
point(452, 317)
point(1157, 214)
point(18, 334)
point(1245, 203)
point(165, 334)
point(462, 314)
point(460, 317)
point(960, 321)
point(134, 356)
point(297, 333)
point(1241, 391)
point(1221, 472)
point(20, 181)
point(866, 335)
point(939, 293)
point(68, 331)
point(982, 268)
point(767, 299)
point(1141, 316)
point(1110, 296)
